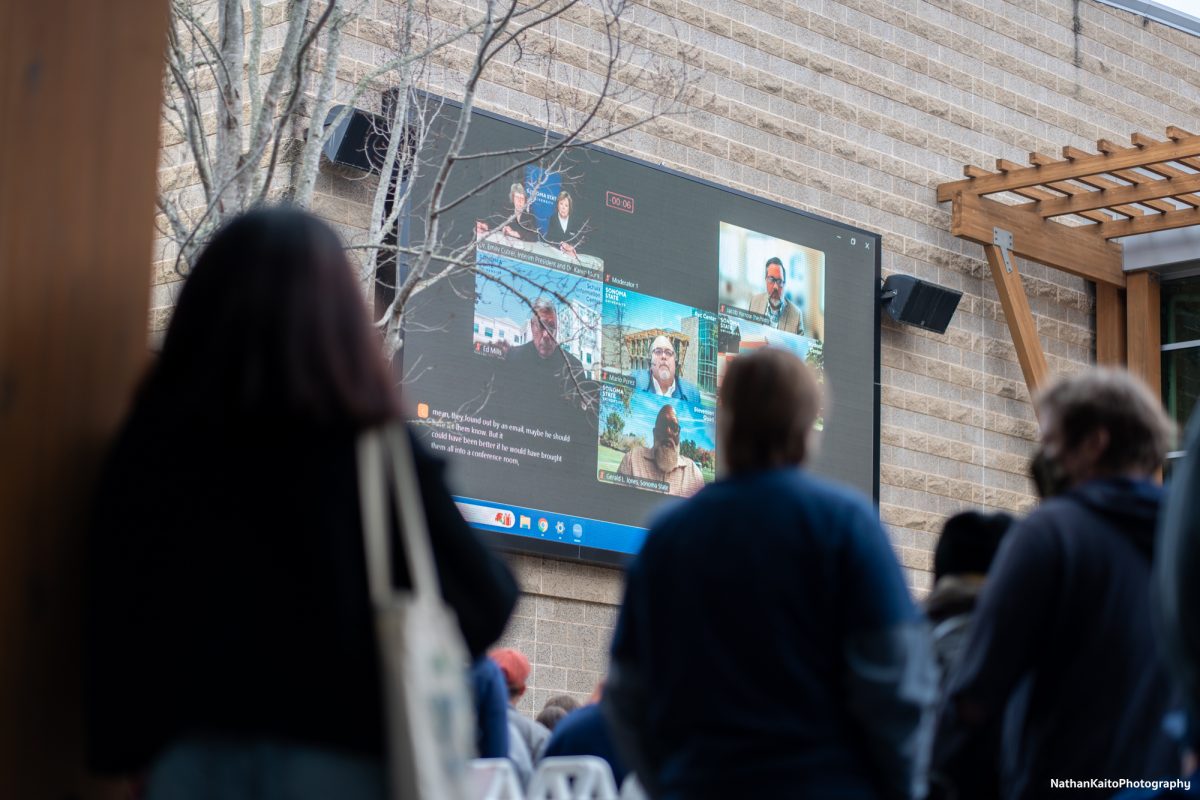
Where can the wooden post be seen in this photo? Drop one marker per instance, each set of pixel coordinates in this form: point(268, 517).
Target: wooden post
point(1019, 317)
point(1145, 333)
point(1110, 324)
point(80, 98)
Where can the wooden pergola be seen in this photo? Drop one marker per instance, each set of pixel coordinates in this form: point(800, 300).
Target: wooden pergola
point(1064, 213)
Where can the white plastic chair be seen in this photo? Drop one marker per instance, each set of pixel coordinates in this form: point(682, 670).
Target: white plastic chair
point(632, 789)
point(573, 778)
point(494, 779)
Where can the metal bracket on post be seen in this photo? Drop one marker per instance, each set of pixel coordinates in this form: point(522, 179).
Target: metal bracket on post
point(1004, 240)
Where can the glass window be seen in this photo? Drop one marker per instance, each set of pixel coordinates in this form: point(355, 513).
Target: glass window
point(1181, 347)
point(1181, 382)
point(1181, 311)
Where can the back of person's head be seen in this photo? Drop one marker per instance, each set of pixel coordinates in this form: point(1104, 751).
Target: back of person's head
point(1111, 400)
point(769, 401)
point(551, 716)
point(271, 325)
point(969, 542)
point(563, 701)
point(515, 666)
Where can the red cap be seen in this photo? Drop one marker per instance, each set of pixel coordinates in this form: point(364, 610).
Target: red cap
point(514, 665)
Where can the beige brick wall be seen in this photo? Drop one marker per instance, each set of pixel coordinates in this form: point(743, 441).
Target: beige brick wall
point(564, 623)
point(856, 110)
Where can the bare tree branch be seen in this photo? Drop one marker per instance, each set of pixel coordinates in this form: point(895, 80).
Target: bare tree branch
point(236, 151)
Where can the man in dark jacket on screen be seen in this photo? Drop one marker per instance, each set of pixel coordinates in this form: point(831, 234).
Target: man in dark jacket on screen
point(1062, 649)
point(767, 645)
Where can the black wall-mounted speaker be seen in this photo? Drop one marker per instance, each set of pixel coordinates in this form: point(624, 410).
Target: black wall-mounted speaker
point(360, 139)
point(916, 302)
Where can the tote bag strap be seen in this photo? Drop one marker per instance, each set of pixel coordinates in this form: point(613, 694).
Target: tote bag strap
point(376, 447)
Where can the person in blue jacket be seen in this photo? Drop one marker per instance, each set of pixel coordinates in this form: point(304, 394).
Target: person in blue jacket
point(1062, 650)
point(767, 645)
point(585, 732)
point(491, 709)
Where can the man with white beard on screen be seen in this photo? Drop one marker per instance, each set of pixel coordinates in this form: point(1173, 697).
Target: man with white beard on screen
point(662, 462)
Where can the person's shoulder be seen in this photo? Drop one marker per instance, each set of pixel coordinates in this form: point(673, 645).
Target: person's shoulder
point(520, 353)
point(528, 724)
point(715, 500)
point(837, 510)
point(1040, 541)
point(577, 723)
point(1050, 518)
point(812, 489)
point(574, 362)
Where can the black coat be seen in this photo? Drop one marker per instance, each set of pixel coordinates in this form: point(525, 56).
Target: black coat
point(572, 234)
point(1062, 649)
point(525, 225)
point(227, 590)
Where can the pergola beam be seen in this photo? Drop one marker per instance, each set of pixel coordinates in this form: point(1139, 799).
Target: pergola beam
point(1019, 318)
point(1110, 325)
point(1075, 250)
point(1150, 223)
point(1133, 190)
point(1060, 188)
point(1118, 195)
point(1143, 326)
point(1173, 150)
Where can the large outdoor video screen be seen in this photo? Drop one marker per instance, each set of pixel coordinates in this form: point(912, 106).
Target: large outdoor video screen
point(569, 373)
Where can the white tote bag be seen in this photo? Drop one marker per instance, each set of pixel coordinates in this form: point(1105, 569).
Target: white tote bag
point(429, 716)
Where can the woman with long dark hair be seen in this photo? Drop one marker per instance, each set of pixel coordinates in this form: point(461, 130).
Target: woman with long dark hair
point(229, 630)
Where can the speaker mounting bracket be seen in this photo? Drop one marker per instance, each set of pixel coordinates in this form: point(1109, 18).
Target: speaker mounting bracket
point(1004, 240)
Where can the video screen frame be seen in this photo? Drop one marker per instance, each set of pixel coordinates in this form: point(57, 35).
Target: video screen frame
point(576, 552)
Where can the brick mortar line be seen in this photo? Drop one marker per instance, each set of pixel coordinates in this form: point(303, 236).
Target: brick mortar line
point(1064, 53)
point(963, 45)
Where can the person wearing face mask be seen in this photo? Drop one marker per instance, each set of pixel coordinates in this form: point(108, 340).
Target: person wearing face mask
point(1062, 650)
point(662, 462)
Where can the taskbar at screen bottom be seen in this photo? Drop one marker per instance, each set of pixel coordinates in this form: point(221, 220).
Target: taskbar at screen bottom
point(550, 527)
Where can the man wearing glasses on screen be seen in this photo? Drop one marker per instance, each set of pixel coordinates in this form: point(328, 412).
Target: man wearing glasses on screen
point(662, 378)
point(782, 313)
